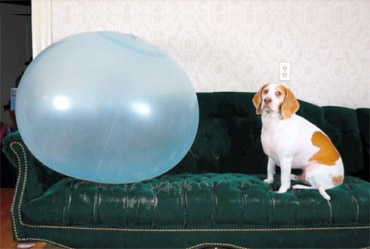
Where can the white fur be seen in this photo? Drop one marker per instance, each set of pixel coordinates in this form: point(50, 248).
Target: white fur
point(288, 144)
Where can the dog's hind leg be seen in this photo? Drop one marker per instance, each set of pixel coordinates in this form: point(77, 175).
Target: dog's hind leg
point(300, 186)
point(321, 190)
point(295, 177)
point(299, 178)
point(323, 193)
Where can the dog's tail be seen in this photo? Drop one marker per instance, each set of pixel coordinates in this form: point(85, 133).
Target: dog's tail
point(323, 193)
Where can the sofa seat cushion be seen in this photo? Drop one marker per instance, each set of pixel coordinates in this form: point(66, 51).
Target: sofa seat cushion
point(197, 201)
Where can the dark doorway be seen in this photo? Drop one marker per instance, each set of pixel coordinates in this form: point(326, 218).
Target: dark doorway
point(15, 54)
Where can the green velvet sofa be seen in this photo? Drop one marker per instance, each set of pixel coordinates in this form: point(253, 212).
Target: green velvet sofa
point(215, 197)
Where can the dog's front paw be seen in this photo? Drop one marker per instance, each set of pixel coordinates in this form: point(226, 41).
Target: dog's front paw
point(282, 190)
point(269, 180)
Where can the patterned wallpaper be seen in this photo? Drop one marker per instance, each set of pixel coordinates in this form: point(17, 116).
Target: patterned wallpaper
point(237, 45)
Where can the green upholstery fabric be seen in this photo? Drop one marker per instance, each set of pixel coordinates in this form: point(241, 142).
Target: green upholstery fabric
point(197, 201)
point(363, 117)
point(214, 197)
point(228, 138)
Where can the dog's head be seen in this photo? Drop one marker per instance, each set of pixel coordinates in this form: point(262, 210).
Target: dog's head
point(275, 98)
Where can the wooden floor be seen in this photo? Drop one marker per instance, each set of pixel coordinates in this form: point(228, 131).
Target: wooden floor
point(6, 236)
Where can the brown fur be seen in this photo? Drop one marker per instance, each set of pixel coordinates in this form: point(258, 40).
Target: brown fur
point(327, 155)
point(290, 104)
point(257, 99)
point(338, 180)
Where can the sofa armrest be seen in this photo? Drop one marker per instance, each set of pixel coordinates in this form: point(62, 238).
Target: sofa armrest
point(32, 174)
point(12, 157)
point(363, 117)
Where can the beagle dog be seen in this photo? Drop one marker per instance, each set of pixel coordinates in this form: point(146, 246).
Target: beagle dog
point(292, 142)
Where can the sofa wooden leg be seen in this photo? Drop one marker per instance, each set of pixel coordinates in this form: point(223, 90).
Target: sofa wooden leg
point(25, 245)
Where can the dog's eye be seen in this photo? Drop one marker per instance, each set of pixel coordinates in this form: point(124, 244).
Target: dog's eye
point(278, 94)
point(266, 91)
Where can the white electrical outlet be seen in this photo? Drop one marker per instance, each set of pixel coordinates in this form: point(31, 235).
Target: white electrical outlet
point(284, 71)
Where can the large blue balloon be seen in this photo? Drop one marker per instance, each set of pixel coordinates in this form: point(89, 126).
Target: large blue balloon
point(107, 107)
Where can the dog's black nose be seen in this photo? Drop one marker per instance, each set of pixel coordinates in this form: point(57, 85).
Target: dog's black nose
point(267, 100)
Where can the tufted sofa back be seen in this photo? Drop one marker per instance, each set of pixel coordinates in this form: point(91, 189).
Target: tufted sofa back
point(228, 138)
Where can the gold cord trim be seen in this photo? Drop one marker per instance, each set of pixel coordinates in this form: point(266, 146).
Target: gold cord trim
point(44, 240)
point(131, 229)
point(202, 245)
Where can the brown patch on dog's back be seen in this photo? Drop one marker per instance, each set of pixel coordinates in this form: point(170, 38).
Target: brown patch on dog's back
point(337, 180)
point(327, 154)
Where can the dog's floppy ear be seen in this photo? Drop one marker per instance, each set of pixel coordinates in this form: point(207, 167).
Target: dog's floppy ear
point(290, 104)
point(257, 99)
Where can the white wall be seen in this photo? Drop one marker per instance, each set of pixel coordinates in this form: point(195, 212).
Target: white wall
point(237, 45)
